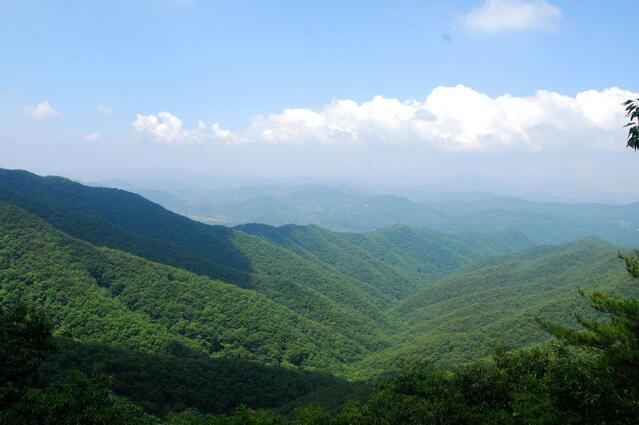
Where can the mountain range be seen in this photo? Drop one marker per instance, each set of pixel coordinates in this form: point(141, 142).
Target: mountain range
point(278, 313)
point(342, 208)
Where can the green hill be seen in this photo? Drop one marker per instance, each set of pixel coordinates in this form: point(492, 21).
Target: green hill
point(396, 261)
point(101, 295)
point(329, 278)
point(547, 223)
point(494, 302)
point(192, 315)
point(137, 317)
point(125, 221)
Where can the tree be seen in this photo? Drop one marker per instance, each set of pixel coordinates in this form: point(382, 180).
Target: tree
point(615, 341)
point(77, 400)
point(632, 112)
point(25, 339)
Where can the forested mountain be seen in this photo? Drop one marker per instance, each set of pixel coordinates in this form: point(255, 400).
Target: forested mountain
point(305, 280)
point(151, 307)
point(345, 209)
point(189, 315)
point(126, 221)
point(334, 207)
point(545, 222)
point(397, 260)
point(103, 297)
point(494, 302)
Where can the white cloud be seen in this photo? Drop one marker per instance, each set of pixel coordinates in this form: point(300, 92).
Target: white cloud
point(106, 110)
point(93, 137)
point(167, 128)
point(508, 15)
point(449, 118)
point(41, 110)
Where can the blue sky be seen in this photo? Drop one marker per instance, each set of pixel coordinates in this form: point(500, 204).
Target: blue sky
point(101, 65)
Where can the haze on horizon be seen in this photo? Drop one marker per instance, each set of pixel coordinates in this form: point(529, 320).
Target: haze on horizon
point(515, 97)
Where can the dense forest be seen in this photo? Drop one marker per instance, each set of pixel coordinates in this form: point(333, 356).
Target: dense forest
point(114, 310)
point(591, 379)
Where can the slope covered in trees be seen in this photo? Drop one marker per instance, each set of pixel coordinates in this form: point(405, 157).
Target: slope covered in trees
point(552, 384)
point(103, 296)
point(188, 315)
point(115, 220)
point(377, 290)
point(494, 302)
point(331, 278)
point(397, 261)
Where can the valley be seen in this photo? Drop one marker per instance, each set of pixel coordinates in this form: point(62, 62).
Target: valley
point(131, 284)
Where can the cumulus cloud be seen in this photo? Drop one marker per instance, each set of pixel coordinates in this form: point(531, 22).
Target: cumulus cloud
point(41, 110)
point(167, 128)
point(106, 110)
point(509, 15)
point(93, 137)
point(449, 118)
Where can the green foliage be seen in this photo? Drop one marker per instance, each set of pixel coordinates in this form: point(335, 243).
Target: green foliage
point(616, 340)
point(300, 300)
point(77, 400)
point(24, 342)
point(104, 297)
point(340, 282)
point(391, 263)
point(125, 221)
point(543, 385)
point(243, 416)
point(494, 302)
point(632, 112)
point(162, 383)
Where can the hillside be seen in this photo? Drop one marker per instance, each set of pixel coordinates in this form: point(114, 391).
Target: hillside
point(495, 301)
point(124, 307)
point(327, 277)
point(397, 261)
point(150, 293)
point(151, 307)
point(125, 221)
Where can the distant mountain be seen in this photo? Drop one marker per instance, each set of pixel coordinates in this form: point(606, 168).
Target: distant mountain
point(343, 209)
point(544, 222)
point(334, 207)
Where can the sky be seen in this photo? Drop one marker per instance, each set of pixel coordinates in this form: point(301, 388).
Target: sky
point(517, 97)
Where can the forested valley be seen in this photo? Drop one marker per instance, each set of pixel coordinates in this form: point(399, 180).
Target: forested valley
point(116, 310)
